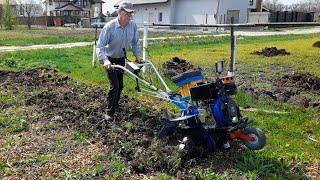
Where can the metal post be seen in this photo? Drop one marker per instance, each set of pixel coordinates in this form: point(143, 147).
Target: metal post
point(233, 46)
point(145, 43)
point(94, 56)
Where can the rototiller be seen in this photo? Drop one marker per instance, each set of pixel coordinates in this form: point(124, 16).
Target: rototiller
point(207, 110)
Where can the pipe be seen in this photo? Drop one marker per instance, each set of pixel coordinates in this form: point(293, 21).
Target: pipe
point(279, 25)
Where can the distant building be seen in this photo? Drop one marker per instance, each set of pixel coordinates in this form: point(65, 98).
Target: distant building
point(72, 10)
point(194, 11)
point(12, 3)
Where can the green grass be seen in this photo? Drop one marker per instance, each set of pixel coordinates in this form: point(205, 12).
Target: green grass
point(24, 37)
point(287, 146)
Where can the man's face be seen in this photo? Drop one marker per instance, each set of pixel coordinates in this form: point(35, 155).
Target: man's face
point(126, 16)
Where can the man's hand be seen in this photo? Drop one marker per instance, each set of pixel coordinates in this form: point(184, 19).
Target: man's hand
point(107, 65)
point(139, 59)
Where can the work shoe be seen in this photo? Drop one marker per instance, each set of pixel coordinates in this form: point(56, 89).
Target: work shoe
point(226, 146)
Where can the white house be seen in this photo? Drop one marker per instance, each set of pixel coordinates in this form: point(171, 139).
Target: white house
point(194, 11)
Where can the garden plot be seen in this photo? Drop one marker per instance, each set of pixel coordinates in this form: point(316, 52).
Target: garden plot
point(53, 106)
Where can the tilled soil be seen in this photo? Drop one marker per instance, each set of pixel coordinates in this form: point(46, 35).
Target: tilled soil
point(176, 66)
point(284, 85)
point(316, 44)
point(272, 51)
point(54, 105)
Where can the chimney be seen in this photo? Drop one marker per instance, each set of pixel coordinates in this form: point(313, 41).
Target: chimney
point(258, 5)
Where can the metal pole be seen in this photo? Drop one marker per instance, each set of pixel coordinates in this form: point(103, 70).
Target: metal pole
point(233, 44)
point(94, 64)
point(96, 15)
point(145, 43)
point(277, 25)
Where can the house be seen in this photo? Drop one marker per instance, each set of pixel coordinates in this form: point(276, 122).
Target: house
point(194, 11)
point(13, 6)
point(72, 11)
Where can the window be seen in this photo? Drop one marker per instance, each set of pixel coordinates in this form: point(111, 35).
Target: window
point(50, 2)
point(21, 11)
point(85, 3)
point(251, 2)
point(160, 17)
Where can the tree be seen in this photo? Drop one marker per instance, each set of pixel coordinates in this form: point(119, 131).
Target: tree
point(274, 5)
point(8, 18)
point(28, 9)
point(306, 6)
point(1, 14)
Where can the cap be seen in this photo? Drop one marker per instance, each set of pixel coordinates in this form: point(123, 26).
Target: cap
point(126, 5)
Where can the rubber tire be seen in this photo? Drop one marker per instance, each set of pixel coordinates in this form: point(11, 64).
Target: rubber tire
point(260, 138)
point(167, 129)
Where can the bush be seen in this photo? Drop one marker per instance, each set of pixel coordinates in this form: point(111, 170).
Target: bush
point(8, 18)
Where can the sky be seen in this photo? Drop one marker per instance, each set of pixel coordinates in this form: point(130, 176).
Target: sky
point(289, 2)
point(109, 5)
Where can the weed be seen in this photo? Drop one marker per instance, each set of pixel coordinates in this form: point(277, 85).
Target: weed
point(175, 161)
point(163, 177)
point(14, 124)
point(3, 167)
point(114, 165)
point(98, 169)
point(10, 62)
point(205, 175)
point(79, 136)
point(152, 159)
point(253, 164)
point(66, 175)
point(128, 126)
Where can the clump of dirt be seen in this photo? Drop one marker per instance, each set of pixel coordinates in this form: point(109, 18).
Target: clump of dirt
point(316, 44)
point(131, 136)
point(177, 66)
point(272, 51)
point(295, 88)
point(303, 81)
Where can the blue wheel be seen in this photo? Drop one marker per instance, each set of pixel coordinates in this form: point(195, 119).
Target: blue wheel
point(259, 138)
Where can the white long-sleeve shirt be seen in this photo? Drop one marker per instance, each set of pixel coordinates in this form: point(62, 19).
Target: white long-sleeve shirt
point(114, 38)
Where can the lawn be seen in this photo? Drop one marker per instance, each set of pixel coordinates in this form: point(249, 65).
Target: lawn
point(24, 37)
point(289, 153)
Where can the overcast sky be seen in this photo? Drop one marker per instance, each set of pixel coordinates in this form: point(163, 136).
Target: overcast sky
point(289, 2)
point(108, 4)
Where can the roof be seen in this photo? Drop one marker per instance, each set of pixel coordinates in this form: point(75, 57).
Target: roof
point(69, 7)
point(97, 1)
point(137, 2)
point(11, 2)
point(148, 1)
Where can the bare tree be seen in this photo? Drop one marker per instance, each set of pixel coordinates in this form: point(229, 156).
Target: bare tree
point(28, 9)
point(306, 6)
point(274, 5)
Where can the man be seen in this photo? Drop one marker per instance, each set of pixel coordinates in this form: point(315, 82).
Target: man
point(115, 38)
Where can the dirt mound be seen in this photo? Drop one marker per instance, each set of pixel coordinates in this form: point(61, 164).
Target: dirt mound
point(131, 137)
point(316, 44)
point(304, 81)
point(297, 88)
point(177, 66)
point(269, 52)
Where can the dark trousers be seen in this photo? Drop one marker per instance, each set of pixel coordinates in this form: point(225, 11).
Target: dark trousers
point(115, 77)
